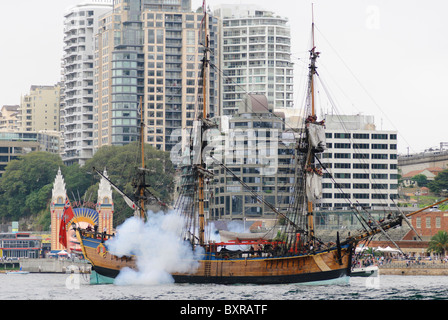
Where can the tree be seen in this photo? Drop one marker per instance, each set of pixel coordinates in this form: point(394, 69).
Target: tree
point(421, 180)
point(26, 184)
point(122, 163)
point(439, 243)
point(440, 182)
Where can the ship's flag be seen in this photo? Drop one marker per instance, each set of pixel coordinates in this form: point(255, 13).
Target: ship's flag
point(67, 215)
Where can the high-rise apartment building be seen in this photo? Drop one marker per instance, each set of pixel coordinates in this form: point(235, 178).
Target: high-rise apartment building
point(39, 110)
point(8, 118)
point(80, 28)
point(362, 163)
point(256, 56)
point(149, 50)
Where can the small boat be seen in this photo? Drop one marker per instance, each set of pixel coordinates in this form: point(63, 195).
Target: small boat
point(370, 271)
point(17, 272)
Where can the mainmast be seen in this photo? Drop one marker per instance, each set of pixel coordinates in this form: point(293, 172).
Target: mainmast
point(313, 64)
point(312, 142)
point(204, 116)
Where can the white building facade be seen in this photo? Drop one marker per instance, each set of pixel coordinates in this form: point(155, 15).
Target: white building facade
point(80, 28)
point(361, 164)
point(255, 55)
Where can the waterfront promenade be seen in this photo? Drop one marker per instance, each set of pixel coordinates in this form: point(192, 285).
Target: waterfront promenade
point(54, 266)
point(415, 268)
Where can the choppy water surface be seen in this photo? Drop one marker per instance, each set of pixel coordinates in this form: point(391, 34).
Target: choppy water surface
point(63, 287)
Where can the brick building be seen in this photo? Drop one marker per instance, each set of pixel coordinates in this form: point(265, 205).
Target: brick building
point(427, 224)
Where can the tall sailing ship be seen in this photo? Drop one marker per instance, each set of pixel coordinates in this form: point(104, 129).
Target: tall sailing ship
point(298, 256)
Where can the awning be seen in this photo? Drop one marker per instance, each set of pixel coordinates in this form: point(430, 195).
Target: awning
point(387, 249)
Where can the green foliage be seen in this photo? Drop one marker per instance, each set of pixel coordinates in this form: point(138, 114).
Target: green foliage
point(439, 183)
point(121, 163)
point(26, 185)
point(439, 243)
point(421, 180)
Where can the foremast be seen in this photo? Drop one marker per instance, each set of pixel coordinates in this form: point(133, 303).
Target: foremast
point(142, 183)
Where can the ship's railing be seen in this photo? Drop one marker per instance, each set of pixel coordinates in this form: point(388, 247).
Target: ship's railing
point(95, 234)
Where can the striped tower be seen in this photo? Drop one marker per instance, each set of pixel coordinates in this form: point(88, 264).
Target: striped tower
point(105, 205)
point(59, 193)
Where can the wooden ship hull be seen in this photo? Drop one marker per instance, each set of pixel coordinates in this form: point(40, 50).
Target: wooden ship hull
point(325, 265)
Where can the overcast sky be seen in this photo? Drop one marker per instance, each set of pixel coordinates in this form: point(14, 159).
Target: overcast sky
point(383, 58)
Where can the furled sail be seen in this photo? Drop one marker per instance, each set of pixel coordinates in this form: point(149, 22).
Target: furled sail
point(316, 134)
point(313, 185)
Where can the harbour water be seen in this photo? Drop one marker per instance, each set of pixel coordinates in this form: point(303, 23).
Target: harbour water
point(77, 287)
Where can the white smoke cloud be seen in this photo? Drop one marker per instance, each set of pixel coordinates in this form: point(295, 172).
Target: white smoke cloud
point(159, 248)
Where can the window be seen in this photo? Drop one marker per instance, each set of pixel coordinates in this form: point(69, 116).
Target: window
point(382, 136)
point(379, 166)
point(342, 155)
point(342, 165)
point(361, 196)
point(379, 196)
point(190, 37)
point(360, 156)
point(360, 136)
point(343, 185)
point(342, 135)
point(160, 36)
point(342, 195)
point(151, 38)
point(360, 166)
point(379, 176)
point(360, 146)
point(379, 186)
point(428, 222)
point(379, 156)
point(379, 146)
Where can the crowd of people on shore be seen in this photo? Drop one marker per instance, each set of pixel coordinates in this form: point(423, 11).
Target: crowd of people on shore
point(366, 261)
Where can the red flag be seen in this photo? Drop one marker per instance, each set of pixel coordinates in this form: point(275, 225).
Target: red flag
point(67, 216)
